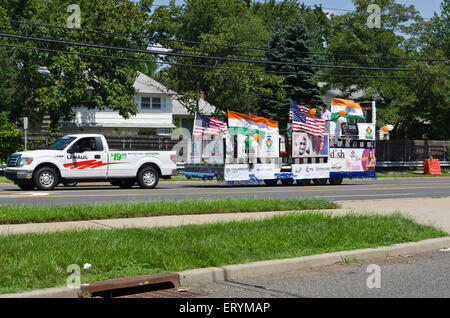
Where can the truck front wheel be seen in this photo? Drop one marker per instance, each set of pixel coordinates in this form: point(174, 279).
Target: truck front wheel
point(148, 178)
point(46, 178)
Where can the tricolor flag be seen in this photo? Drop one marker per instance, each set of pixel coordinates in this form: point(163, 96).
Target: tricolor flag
point(268, 125)
point(303, 122)
point(243, 124)
point(352, 109)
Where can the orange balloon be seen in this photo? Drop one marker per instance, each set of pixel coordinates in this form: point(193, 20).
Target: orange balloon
point(342, 113)
point(256, 137)
point(313, 111)
point(385, 129)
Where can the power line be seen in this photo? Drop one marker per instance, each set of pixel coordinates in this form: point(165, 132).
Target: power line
point(214, 58)
point(218, 44)
point(176, 50)
point(191, 65)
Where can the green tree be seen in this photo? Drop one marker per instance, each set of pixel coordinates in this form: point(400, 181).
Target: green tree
point(290, 44)
point(10, 138)
point(73, 80)
point(416, 104)
point(225, 84)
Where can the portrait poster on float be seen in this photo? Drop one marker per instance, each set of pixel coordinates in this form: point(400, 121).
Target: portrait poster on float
point(301, 145)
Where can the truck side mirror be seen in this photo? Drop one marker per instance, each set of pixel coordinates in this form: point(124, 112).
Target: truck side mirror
point(73, 149)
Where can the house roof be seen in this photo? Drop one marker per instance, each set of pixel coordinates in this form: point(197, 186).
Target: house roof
point(146, 85)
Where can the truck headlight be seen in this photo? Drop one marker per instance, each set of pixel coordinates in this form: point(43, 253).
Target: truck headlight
point(25, 161)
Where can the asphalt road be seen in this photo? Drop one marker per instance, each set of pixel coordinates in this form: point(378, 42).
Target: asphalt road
point(424, 275)
point(349, 190)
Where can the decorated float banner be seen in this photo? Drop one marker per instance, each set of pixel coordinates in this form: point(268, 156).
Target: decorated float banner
point(237, 172)
point(308, 146)
point(352, 109)
point(250, 125)
point(247, 146)
point(311, 171)
point(366, 131)
point(264, 171)
point(213, 151)
point(242, 124)
point(195, 154)
point(352, 160)
point(269, 146)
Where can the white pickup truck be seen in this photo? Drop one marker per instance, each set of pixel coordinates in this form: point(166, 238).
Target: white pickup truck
point(87, 158)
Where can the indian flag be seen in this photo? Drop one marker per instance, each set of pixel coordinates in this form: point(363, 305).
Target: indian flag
point(268, 125)
point(352, 109)
point(243, 124)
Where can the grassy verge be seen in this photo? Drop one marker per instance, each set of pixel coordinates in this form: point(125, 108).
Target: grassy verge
point(417, 174)
point(31, 261)
point(15, 214)
point(4, 180)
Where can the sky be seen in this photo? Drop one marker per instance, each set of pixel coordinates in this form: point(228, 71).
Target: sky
point(425, 7)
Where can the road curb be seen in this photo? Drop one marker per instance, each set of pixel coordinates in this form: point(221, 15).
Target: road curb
point(262, 268)
point(217, 274)
point(56, 292)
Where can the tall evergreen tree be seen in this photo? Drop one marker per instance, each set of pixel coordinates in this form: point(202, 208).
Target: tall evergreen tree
point(286, 45)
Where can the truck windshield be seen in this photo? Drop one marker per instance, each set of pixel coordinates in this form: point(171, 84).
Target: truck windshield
point(62, 143)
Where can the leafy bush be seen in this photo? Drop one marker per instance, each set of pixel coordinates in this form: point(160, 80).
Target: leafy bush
point(10, 138)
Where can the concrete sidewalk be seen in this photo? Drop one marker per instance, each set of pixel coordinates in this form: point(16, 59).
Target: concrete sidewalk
point(430, 211)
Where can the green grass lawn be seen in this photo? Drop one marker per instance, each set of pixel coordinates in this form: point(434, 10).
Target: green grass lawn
point(15, 214)
point(32, 261)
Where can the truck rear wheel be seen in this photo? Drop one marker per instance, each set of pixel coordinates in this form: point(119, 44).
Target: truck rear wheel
point(46, 178)
point(148, 178)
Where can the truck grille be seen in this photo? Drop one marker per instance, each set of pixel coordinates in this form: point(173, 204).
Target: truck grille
point(13, 161)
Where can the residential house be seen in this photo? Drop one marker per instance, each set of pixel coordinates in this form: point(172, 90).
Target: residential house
point(158, 112)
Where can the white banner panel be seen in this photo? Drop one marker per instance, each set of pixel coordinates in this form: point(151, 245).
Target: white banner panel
point(238, 172)
point(264, 171)
point(195, 155)
point(269, 146)
point(311, 171)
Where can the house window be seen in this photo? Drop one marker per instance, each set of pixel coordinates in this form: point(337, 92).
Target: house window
point(145, 103)
point(156, 103)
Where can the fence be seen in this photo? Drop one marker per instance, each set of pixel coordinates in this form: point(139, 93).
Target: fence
point(162, 143)
point(411, 150)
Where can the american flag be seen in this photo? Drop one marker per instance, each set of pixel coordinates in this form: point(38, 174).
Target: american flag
point(303, 122)
point(206, 125)
point(216, 126)
point(301, 108)
point(201, 125)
